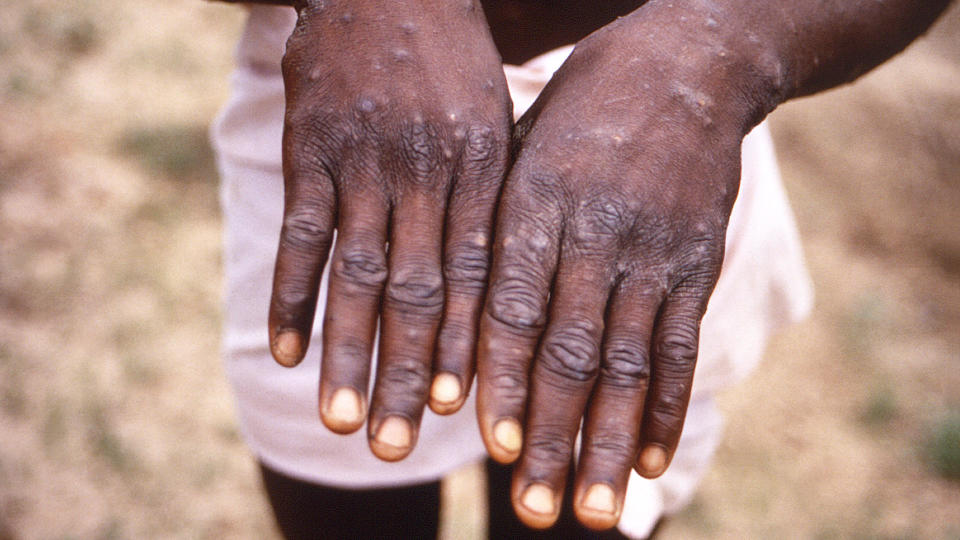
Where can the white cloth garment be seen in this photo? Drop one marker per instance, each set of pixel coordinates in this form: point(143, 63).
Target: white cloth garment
point(763, 285)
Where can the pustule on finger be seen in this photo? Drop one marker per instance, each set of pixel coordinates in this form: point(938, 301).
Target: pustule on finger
point(344, 411)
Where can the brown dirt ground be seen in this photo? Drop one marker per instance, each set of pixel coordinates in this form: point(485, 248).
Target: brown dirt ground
point(115, 420)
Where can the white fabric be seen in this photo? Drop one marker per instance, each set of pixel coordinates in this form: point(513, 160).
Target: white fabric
point(763, 285)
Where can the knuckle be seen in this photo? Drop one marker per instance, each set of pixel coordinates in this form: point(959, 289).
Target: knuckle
point(600, 222)
point(540, 183)
point(455, 338)
point(614, 444)
point(571, 350)
point(362, 266)
point(348, 348)
point(626, 362)
point(483, 148)
point(517, 306)
point(415, 289)
point(550, 444)
point(676, 348)
point(311, 142)
point(405, 372)
point(307, 228)
point(466, 267)
point(420, 150)
point(668, 412)
point(292, 296)
point(704, 253)
point(510, 384)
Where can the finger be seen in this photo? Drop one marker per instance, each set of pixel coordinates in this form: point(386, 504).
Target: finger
point(563, 375)
point(611, 432)
point(466, 263)
point(412, 307)
point(358, 271)
point(514, 315)
point(305, 238)
point(674, 357)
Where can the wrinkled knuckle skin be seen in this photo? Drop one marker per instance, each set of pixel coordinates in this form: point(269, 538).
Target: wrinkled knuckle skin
point(667, 414)
point(310, 142)
point(415, 290)
point(455, 340)
point(617, 447)
point(571, 351)
point(509, 383)
point(541, 184)
point(601, 223)
point(516, 305)
point(362, 267)
point(291, 297)
point(348, 348)
point(421, 152)
point(484, 150)
point(466, 268)
point(550, 445)
point(626, 362)
point(305, 229)
point(404, 373)
point(677, 349)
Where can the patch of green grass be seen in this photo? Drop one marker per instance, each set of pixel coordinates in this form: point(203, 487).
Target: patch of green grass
point(942, 446)
point(178, 152)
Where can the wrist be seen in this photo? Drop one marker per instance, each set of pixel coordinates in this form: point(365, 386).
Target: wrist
point(707, 54)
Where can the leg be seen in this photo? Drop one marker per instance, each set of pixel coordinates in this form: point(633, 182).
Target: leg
point(306, 511)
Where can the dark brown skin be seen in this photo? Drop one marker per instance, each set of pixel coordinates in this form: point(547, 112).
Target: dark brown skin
point(609, 229)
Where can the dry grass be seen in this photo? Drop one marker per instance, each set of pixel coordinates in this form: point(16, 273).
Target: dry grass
point(115, 420)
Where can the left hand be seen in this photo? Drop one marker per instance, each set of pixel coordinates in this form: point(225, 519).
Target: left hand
point(610, 238)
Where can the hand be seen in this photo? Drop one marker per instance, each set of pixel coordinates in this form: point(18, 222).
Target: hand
point(397, 129)
point(610, 238)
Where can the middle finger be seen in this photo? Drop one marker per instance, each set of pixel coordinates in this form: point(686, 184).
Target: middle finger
point(563, 375)
point(412, 308)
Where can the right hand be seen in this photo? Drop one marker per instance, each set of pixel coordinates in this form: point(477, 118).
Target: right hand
point(396, 132)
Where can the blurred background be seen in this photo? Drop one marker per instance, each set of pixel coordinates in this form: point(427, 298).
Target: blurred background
point(115, 420)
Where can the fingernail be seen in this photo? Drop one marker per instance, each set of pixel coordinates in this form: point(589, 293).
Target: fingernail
point(445, 389)
point(600, 498)
point(345, 408)
point(508, 434)
point(288, 348)
point(653, 460)
point(396, 432)
point(539, 499)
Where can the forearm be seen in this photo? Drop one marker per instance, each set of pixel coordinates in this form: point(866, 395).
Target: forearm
point(751, 56)
point(819, 45)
